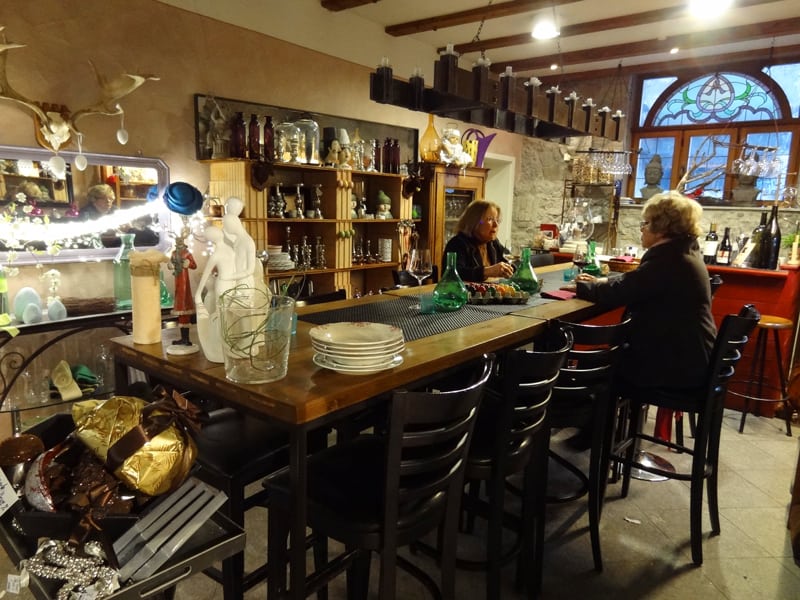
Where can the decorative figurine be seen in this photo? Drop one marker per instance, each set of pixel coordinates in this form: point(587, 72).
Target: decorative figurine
point(181, 262)
point(384, 206)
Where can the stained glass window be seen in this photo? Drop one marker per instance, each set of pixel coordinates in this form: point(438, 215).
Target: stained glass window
point(718, 98)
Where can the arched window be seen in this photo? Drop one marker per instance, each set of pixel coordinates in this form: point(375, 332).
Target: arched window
point(680, 119)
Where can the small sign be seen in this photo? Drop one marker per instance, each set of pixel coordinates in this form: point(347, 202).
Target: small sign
point(13, 584)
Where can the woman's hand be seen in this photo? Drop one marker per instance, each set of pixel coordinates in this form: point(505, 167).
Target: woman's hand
point(586, 277)
point(500, 269)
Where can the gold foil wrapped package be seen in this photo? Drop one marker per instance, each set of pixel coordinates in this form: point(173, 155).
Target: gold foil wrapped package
point(146, 445)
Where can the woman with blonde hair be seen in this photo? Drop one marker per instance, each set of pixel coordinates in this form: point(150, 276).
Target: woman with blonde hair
point(668, 298)
point(480, 255)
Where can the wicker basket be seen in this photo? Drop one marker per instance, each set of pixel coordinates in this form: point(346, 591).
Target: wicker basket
point(620, 266)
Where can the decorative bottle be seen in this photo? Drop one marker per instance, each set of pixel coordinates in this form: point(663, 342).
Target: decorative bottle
point(269, 136)
point(253, 135)
point(430, 143)
point(710, 247)
point(524, 276)
point(239, 137)
point(376, 148)
point(450, 293)
point(386, 161)
point(395, 156)
point(122, 272)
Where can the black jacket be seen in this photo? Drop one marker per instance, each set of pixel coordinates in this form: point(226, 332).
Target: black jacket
point(668, 299)
point(469, 263)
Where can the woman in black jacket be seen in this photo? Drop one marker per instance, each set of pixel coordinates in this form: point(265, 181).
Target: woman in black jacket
point(480, 255)
point(668, 298)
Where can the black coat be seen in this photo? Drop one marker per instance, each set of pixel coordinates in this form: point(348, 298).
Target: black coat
point(469, 263)
point(668, 299)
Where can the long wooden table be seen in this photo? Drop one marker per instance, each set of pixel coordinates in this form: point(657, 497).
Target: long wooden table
point(310, 397)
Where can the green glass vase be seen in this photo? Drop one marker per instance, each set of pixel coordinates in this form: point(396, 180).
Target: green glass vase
point(122, 272)
point(524, 276)
point(450, 293)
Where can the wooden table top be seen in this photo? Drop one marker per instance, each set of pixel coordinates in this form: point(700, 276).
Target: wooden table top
point(309, 392)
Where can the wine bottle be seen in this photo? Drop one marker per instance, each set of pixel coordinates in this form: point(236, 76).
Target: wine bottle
point(524, 276)
point(710, 247)
point(771, 241)
point(725, 249)
point(238, 137)
point(269, 145)
point(450, 293)
point(752, 251)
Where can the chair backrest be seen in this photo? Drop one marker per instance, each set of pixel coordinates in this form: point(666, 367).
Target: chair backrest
point(589, 369)
point(428, 438)
point(733, 334)
point(516, 399)
point(320, 298)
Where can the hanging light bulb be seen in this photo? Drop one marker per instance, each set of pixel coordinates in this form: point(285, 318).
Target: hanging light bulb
point(122, 134)
point(545, 29)
point(702, 9)
point(80, 160)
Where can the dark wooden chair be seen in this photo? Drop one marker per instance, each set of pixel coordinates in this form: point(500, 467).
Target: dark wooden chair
point(512, 436)
point(321, 298)
point(707, 403)
point(580, 396)
point(380, 491)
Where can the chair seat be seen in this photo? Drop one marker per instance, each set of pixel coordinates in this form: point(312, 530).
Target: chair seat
point(345, 492)
point(773, 322)
point(233, 445)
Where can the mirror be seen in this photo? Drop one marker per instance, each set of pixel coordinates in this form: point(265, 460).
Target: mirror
point(55, 204)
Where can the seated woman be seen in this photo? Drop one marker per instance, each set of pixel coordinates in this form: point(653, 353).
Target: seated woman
point(100, 200)
point(668, 299)
point(480, 255)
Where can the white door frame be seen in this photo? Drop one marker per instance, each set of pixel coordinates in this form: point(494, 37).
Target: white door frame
point(500, 189)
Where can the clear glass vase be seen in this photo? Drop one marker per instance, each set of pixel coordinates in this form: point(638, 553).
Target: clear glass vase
point(309, 140)
point(450, 293)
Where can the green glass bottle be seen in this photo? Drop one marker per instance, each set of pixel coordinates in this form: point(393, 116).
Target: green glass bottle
point(450, 293)
point(122, 272)
point(164, 293)
point(591, 267)
point(524, 276)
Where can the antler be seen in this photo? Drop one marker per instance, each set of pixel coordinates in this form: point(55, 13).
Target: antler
point(54, 124)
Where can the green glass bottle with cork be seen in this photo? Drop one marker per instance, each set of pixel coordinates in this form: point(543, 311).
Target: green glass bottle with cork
point(450, 293)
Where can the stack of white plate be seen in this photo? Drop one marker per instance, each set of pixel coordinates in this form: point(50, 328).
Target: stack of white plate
point(357, 348)
point(279, 261)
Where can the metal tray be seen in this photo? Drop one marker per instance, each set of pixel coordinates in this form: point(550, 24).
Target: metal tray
point(217, 539)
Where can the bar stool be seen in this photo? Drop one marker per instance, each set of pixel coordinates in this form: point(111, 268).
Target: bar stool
point(766, 324)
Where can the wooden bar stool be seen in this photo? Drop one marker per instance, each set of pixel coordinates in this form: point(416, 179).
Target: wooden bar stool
point(766, 324)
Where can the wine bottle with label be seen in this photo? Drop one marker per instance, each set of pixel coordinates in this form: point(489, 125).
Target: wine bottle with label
point(725, 249)
point(710, 247)
point(750, 256)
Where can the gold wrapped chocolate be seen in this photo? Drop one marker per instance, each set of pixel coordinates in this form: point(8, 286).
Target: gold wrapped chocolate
point(145, 445)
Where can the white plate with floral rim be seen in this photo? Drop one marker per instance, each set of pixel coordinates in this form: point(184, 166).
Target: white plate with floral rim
point(326, 363)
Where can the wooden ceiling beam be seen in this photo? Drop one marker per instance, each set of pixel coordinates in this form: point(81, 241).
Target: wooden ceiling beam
point(684, 41)
point(734, 60)
point(474, 15)
point(624, 22)
point(337, 5)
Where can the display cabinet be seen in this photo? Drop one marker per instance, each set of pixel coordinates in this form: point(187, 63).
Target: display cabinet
point(360, 249)
point(130, 184)
point(588, 212)
point(446, 192)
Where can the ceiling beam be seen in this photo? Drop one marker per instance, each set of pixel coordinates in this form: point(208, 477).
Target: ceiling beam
point(337, 5)
point(622, 22)
point(685, 41)
point(474, 15)
point(745, 60)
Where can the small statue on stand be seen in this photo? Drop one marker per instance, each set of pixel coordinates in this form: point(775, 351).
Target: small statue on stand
point(181, 262)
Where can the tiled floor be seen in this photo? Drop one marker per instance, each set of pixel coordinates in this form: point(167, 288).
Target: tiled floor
point(645, 537)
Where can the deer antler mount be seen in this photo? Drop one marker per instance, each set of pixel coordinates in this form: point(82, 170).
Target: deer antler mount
point(53, 122)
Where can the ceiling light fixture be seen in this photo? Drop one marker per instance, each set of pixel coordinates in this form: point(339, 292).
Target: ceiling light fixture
point(545, 30)
point(554, 67)
point(674, 50)
point(701, 9)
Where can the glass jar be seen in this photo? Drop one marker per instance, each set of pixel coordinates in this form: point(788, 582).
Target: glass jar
point(450, 293)
point(287, 143)
point(122, 272)
point(524, 276)
point(309, 141)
